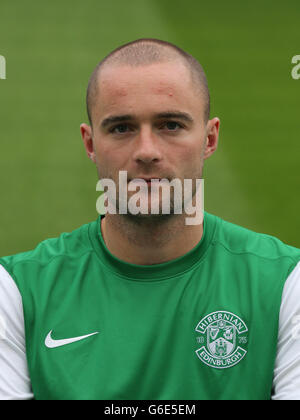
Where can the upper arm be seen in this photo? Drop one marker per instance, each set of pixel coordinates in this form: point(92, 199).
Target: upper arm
point(14, 376)
point(286, 382)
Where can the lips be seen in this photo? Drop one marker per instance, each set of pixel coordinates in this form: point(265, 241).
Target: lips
point(148, 179)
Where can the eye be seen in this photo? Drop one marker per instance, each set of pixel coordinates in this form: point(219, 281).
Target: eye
point(172, 126)
point(120, 129)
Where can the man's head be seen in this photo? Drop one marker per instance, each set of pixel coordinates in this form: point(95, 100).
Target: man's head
point(148, 105)
point(143, 52)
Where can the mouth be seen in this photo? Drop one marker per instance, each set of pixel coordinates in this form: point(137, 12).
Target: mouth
point(148, 180)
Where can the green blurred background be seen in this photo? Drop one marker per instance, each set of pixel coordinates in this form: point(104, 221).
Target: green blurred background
point(48, 185)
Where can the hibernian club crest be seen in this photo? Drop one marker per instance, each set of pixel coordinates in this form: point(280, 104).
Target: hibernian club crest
point(224, 338)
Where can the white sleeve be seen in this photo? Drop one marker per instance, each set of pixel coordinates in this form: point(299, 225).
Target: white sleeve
point(14, 376)
point(286, 381)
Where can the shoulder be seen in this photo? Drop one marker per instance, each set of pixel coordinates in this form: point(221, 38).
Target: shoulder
point(247, 244)
point(68, 245)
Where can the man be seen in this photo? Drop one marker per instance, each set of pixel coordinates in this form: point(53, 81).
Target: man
point(145, 306)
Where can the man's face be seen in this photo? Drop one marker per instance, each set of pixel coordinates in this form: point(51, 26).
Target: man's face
point(149, 121)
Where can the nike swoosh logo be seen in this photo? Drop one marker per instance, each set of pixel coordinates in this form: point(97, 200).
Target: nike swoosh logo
point(52, 344)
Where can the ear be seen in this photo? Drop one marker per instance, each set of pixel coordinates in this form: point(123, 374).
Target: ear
point(87, 137)
point(212, 137)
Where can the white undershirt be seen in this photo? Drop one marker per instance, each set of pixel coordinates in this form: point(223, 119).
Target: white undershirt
point(14, 376)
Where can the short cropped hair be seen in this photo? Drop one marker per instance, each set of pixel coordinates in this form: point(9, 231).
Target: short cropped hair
point(147, 51)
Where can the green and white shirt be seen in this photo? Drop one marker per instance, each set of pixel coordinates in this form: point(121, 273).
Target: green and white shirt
point(220, 322)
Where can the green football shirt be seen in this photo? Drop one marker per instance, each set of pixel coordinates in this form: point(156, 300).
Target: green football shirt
point(202, 326)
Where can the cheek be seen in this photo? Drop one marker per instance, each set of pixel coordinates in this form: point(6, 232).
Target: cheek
point(109, 161)
point(192, 162)
point(191, 153)
point(104, 153)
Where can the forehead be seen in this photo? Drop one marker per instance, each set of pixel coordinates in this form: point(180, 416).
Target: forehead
point(157, 85)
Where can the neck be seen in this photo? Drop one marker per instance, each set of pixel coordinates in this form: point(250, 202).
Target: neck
point(149, 241)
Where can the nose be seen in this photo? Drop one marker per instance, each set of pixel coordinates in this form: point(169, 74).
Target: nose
point(147, 146)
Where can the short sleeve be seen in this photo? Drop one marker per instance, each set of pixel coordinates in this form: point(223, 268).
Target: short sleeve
point(14, 375)
point(286, 381)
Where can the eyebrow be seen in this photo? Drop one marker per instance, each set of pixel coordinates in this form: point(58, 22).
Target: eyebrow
point(167, 115)
point(176, 114)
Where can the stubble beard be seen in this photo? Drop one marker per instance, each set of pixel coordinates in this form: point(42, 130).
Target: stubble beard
point(177, 207)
